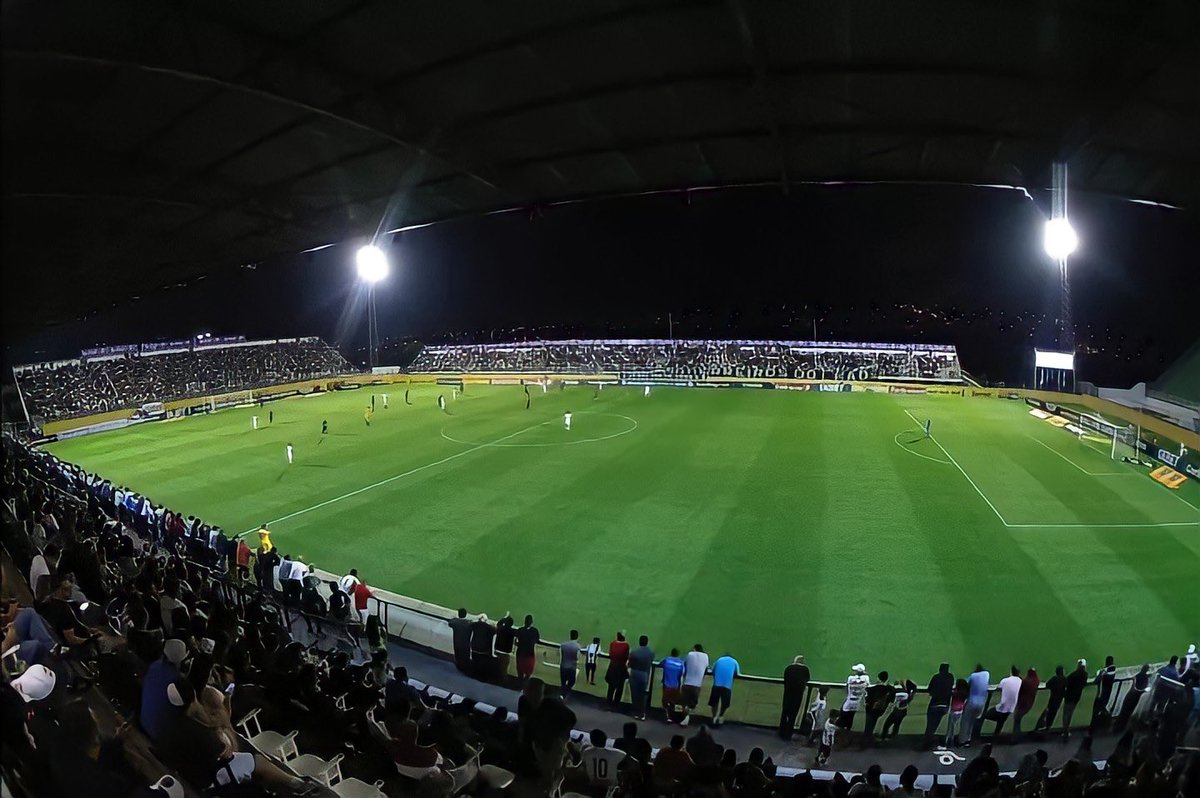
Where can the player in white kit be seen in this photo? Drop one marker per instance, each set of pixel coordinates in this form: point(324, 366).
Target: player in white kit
point(289, 454)
point(647, 391)
point(254, 422)
point(567, 420)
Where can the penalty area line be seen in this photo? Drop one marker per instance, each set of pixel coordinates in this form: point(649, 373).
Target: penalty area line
point(982, 495)
point(395, 477)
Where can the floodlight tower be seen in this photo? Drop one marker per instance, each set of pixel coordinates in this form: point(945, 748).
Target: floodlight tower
point(1060, 241)
point(372, 266)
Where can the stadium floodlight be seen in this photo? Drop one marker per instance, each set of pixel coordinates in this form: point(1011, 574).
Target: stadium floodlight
point(372, 263)
point(1060, 238)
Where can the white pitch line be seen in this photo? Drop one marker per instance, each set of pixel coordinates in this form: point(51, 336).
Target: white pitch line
point(960, 470)
point(1081, 468)
point(1103, 526)
point(896, 440)
point(390, 479)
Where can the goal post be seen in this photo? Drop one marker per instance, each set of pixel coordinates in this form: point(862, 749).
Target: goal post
point(1124, 443)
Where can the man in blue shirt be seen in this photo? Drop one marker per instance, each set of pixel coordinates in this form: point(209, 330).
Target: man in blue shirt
point(157, 711)
point(672, 680)
point(977, 692)
point(724, 670)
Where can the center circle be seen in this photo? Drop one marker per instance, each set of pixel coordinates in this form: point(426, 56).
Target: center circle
point(629, 426)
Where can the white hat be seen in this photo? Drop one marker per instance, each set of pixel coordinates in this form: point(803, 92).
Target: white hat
point(35, 683)
point(1192, 648)
point(1083, 662)
point(175, 651)
point(859, 668)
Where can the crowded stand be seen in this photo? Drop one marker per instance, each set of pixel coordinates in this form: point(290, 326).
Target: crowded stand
point(116, 378)
point(700, 360)
point(151, 648)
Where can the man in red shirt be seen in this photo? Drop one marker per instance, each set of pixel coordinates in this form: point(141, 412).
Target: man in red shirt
point(361, 594)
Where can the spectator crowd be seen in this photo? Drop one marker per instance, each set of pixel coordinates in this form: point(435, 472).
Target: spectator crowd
point(82, 387)
point(154, 647)
point(698, 360)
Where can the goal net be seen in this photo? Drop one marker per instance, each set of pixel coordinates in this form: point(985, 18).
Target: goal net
point(1124, 443)
point(233, 399)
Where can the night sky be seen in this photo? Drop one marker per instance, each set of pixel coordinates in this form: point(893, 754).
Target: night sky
point(941, 264)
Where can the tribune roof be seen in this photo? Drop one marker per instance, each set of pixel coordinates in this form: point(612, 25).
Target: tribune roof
point(152, 141)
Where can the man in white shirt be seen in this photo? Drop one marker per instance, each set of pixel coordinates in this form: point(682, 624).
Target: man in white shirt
point(856, 690)
point(40, 567)
point(695, 664)
point(1010, 690)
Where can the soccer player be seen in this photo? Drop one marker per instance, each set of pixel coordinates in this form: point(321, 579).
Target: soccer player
point(325, 426)
point(567, 420)
point(384, 395)
point(289, 454)
point(367, 416)
point(372, 401)
point(646, 391)
point(441, 402)
point(929, 428)
point(254, 422)
point(270, 416)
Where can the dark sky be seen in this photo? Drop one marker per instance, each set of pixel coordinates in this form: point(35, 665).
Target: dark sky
point(947, 264)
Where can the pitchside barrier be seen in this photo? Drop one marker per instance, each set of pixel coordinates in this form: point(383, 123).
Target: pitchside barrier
point(756, 699)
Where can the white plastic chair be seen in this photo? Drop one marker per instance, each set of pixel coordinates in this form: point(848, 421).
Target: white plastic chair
point(351, 787)
point(271, 743)
point(328, 773)
point(465, 773)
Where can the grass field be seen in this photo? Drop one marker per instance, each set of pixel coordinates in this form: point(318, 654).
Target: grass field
point(765, 523)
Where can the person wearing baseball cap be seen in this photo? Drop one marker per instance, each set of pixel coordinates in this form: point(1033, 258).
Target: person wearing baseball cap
point(164, 672)
point(17, 700)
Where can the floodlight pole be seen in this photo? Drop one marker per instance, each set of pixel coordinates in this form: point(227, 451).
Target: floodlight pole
point(1058, 210)
point(372, 329)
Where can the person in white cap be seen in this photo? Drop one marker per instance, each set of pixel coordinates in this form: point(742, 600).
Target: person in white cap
point(856, 690)
point(1191, 660)
point(157, 712)
point(35, 684)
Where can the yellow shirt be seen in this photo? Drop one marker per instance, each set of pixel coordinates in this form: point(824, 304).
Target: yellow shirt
point(264, 539)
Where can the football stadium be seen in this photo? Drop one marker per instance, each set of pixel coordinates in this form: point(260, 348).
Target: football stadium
point(397, 424)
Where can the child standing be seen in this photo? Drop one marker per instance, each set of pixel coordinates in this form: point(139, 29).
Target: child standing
point(817, 713)
point(590, 655)
point(828, 737)
point(958, 700)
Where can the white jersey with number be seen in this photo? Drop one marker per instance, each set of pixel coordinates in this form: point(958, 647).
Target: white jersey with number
point(602, 765)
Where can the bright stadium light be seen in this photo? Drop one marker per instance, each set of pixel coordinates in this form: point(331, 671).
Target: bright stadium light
point(372, 263)
point(1060, 238)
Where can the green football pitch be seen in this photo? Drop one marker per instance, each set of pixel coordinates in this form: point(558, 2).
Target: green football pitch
point(763, 523)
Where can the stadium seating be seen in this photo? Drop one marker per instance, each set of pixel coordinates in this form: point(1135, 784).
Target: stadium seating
point(81, 387)
point(698, 360)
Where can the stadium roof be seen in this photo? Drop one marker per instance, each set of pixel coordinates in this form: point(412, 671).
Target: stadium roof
point(147, 142)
